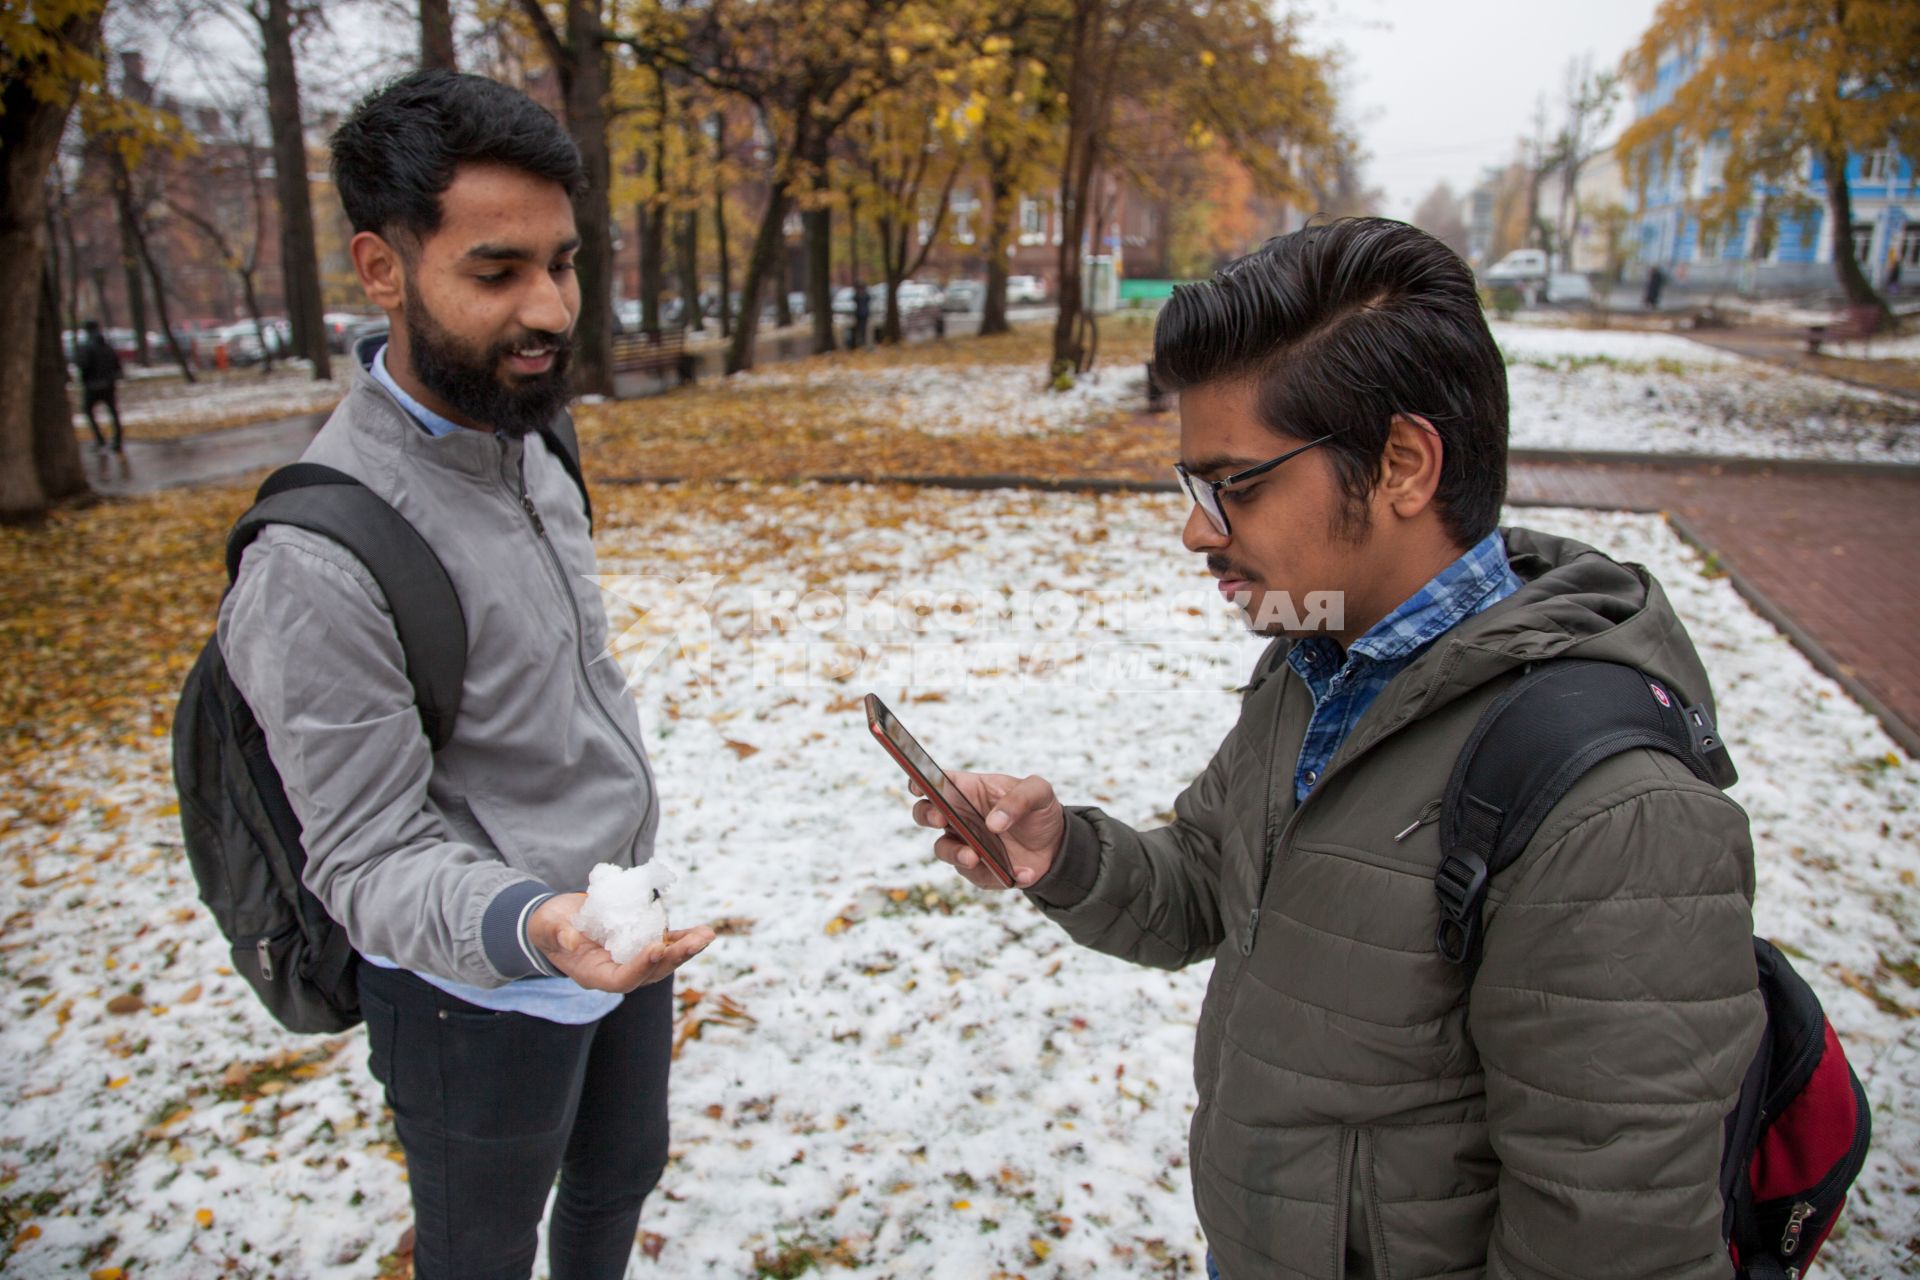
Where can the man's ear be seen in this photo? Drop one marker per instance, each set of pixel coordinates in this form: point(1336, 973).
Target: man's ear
point(1409, 466)
point(381, 269)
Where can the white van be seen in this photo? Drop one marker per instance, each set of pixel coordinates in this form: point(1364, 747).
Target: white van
point(1521, 264)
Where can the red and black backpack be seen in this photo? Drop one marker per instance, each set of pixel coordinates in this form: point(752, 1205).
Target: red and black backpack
point(1798, 1137)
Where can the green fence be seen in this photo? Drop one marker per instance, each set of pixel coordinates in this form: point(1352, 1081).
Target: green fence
point(1136, 292)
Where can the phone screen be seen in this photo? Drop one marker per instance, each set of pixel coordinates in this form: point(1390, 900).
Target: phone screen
point(920, 766)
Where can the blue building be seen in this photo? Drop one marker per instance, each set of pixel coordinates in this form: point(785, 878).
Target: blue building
point(1798, 253)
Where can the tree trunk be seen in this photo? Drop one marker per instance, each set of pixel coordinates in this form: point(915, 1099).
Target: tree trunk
point(720, 224)
point(688, 251)
point(993, 316)
point(56, 450)
point(893, 258)
point(30, 131)
point(651, 228)
point(819, 229)
point(436, 36)
point(768, 254)
point(1075, 190)
point(299, 261)
point(145, 250)
point(585, 76)
point(1853, 281)
point(130, 261)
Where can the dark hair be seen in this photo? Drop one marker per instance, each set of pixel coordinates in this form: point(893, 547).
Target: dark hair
point(399, 149)
point(1345, 324)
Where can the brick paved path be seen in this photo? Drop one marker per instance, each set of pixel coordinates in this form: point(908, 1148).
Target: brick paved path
point(1830, 554)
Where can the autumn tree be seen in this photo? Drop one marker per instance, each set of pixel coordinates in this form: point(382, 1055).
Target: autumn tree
point(49, 56)
point(806, 68)
point(578, 48)
point(436, 36)
point(1586, 105)
point(1438, 214)
point(234, 230)
point(1774, 82)
point(1019, 132)
point(909, 147)
point(1232, 70)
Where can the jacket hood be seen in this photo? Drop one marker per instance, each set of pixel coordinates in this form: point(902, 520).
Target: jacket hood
point(1575, 602)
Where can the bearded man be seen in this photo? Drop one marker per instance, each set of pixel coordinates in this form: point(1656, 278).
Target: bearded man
point(512, 1048)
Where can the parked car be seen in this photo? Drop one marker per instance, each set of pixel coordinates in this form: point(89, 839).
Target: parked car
point(1520, 265)
point(366, 327)
point(1569, 289)
point(336, 327)
point(965, 296)
point(1025, 291)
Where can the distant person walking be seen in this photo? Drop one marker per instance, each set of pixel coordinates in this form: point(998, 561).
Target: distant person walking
point(1656, 281)
point(862, 314)
point(99, 374)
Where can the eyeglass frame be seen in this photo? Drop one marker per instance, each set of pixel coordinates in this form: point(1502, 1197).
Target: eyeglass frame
point(1223, 526)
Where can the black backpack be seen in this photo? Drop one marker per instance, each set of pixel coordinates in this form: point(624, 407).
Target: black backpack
point(1798, 1137)
point(241, 835)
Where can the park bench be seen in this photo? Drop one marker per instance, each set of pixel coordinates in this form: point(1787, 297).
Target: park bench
point(929, 320)
point(655, 352)
point(1858, 322)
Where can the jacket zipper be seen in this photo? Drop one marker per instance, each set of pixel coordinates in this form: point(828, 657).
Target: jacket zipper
point(519, 490)
point(1428, 812)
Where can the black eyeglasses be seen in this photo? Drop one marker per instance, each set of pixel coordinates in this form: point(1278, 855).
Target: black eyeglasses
point(1206, 493)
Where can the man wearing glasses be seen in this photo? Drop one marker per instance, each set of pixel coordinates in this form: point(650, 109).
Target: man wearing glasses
point(1367, 1109)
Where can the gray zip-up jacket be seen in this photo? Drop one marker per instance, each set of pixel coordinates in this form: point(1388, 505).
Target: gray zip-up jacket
point(435, 860)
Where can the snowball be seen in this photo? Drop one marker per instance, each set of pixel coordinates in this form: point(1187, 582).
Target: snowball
point(626, 907)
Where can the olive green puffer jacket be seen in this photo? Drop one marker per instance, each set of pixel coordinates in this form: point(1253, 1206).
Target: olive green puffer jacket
point(1361, 1113)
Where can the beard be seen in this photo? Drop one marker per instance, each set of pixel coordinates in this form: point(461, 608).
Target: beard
point(472, 382)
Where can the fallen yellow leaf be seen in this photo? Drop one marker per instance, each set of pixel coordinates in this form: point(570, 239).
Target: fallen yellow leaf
point(204, 1217)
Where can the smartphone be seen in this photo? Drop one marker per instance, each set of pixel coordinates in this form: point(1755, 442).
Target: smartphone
point(963, 820)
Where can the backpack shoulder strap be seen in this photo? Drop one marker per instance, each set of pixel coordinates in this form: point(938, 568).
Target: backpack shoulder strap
point(1530, 747)
point(426, 608)
point(564, 444)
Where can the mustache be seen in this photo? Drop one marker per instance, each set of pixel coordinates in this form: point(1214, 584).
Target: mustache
point(1221, 567)
point(558, 343)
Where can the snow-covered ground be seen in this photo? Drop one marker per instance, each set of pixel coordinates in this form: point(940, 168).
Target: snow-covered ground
point(1624, 391)
point(961, 399)
point(893, 1073)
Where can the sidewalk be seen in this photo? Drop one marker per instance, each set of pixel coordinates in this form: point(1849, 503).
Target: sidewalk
point(1787, 348)
point(148, 466)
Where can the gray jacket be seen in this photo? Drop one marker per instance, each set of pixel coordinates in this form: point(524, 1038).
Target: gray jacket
point(435, 860)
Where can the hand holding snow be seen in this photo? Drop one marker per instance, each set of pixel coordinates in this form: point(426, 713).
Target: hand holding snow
point(626, 908)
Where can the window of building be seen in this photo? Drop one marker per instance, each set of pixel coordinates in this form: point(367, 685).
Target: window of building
point(1863, 243)
point(1877, 166)
point(1910, 247)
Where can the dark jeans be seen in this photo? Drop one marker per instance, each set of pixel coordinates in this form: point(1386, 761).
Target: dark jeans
point(103, 395)
point(1213, 1272)
point(491, 1106)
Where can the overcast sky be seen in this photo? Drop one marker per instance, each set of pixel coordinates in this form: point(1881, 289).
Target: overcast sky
point(1441, 90)
point(1435, 88)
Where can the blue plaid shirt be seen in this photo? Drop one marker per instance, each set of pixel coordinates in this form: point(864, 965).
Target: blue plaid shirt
point(1344, 686)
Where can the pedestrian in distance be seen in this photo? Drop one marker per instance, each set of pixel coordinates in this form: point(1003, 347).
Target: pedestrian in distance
point(99, 366)
point(862, 315)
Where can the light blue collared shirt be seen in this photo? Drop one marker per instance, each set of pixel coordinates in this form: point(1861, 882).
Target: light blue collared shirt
point(1344, 685)
point(435, 424)
point(557, 999)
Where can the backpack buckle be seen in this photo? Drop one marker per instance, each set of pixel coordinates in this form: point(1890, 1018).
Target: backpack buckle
point(1708, 746)
point(1461, 885)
